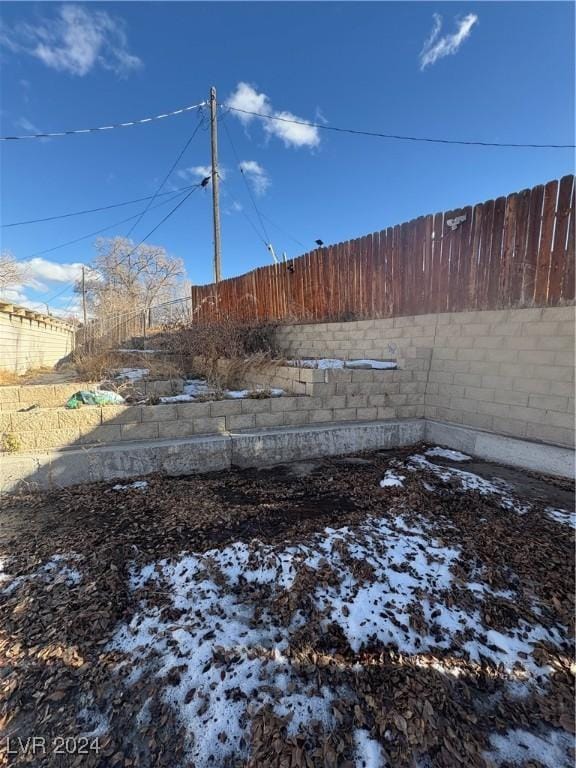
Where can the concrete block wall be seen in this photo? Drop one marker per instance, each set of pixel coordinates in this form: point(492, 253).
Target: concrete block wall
point(507, 371)
point(30, 340)
point(14, 398)
point(45, 428)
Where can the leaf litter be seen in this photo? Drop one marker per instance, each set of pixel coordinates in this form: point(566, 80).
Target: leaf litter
point(269, 618)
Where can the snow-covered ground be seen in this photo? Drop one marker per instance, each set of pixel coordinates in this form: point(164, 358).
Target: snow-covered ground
point(369, 580)
point(220, 631)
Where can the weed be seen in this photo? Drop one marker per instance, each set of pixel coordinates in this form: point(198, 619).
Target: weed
point(11, 443)
point(259, 394)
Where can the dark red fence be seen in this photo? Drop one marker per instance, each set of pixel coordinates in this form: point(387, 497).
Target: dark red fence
point(515, 251)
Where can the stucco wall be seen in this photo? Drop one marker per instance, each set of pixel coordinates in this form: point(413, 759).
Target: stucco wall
point(507, 371)
point(30, 340)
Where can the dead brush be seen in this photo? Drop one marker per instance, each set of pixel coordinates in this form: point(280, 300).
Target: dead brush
point(8, 378)
point(224, 351)
point(259, 394)
point(103, 365)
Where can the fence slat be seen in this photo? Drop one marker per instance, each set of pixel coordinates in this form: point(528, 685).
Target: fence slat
point(532, 240)
point(545, 248)
point(473, 297)
point(495, 261)
point(520, 244)
point(508, 241)
point(558, 257)
point(568, 286)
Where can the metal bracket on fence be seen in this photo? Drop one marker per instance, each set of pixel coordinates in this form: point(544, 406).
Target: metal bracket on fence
point(455, 223)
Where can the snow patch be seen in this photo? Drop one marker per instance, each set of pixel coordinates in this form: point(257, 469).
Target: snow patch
point(194, 388)
point(562, 516)
point(131, 374)
point(138, 485)
point(551, 748)
point(58, 570)
point(469, 481)
point(447, 453)
point(369, 753)
point(330, 362)
point(391, 479)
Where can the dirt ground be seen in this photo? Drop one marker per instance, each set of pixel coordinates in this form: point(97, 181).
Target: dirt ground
point(397, 608)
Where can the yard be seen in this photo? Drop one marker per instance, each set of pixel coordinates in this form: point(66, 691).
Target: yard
point(400, 608)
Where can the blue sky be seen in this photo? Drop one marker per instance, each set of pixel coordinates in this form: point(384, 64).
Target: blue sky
point(501, 72)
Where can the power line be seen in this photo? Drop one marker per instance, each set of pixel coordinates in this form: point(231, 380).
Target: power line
point(95, 210)
point(72, 284)
point(258, 211)
point(143, 120)
point(166, 177)
point(66, 288)
point(196, 186)
point(285, 232)
point(266, 235)
point(248, 219)
point(397, 137)
point(99, 231)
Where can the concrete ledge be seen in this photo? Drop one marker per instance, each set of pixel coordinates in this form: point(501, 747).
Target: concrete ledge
point(202, 453)
point(273, 446)
point(60, 468)
point(209, 453)
point(538, 457)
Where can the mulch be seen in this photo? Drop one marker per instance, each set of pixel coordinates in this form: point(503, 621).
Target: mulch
point(54, 660)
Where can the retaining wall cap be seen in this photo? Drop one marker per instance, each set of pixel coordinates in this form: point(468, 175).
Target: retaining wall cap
point(15, 309)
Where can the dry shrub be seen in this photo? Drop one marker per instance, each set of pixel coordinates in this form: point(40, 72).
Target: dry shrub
point(8, 378)
point(259, 394)
point(102, 365)
point(224, 350)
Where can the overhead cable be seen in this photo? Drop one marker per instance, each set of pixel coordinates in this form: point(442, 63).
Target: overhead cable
point(166, 177)
point(141, 121)
point(396, 137)
point(96, 210)
point(103, 229)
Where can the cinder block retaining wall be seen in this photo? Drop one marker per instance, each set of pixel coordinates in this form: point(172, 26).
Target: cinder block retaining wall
point(45, 428)
point(31, 340)
point(507, 371)
point(18, 397)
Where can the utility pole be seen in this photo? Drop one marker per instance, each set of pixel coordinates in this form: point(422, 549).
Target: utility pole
point(84, 294)
point(215, 198)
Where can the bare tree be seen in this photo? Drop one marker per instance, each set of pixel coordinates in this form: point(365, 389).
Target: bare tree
point(125, 278)
point(11, 273)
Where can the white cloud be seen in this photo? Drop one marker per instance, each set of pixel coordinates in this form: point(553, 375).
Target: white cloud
point(199, 172)
point(246, 97)
point(49, 271)
point(292, 134)
point(256, 175)
point(76, 40)
point(437, 47)
point(14, 295)
point(300, 134)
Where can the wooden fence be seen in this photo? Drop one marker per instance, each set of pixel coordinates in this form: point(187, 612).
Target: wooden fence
point(515, 251)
